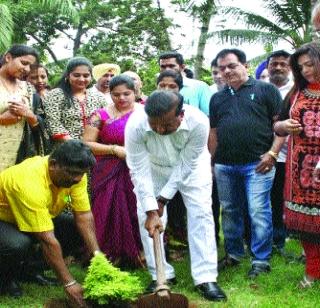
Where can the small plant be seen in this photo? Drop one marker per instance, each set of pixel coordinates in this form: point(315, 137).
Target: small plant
point(106, 284)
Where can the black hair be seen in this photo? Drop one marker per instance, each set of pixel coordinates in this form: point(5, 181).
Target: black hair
point(214, 63)
point(237, 52)
point(172, 54)
point(74, 154)
point(189, 73)
point(278, 53)
point(313, 51)
point(36, 66)
point(177, 77)
point(120, 80)
point(161, 102)
point(20, 50)
point(64, 83)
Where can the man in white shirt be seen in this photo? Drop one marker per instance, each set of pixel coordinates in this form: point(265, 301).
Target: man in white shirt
point(103, 73)
point(278, 65)
point(166, 146)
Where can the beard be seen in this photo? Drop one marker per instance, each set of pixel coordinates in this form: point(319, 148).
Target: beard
point(278, 78)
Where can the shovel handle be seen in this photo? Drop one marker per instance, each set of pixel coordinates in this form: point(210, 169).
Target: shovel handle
point(161, 277)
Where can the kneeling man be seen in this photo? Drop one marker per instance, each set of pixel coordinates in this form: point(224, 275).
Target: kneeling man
point(32, 196)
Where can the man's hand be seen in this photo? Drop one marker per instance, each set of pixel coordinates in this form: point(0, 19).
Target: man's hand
point(266, 163)
point(153, 222)
point(75, 295)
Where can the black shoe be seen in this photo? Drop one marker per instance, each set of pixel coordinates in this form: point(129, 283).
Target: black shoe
point(257, 269)
point(40, 279)
point(211, 291)
point(151, 288)
point(12, 288)
point(227, 262)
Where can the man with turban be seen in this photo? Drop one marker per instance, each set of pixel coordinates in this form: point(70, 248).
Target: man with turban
point(103, 73)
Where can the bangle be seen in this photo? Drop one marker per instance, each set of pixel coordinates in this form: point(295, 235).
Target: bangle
point(112, 151)
point(69, 284)
point(274, 155)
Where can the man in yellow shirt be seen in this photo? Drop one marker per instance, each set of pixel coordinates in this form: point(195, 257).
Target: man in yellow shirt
point(32, 195)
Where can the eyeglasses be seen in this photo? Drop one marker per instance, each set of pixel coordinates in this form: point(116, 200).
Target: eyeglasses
point(230, 66)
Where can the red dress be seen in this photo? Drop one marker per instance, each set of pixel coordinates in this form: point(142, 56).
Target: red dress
point(302, 193)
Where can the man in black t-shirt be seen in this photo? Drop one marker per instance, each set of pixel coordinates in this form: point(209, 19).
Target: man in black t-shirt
point(245, 152)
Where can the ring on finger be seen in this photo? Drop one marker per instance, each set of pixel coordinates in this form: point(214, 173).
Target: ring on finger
point(266, 168)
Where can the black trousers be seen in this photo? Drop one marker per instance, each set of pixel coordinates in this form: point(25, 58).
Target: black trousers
point(17, 251)
point(277, 202)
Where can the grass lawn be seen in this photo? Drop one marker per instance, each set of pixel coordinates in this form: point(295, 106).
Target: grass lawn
point(277, 289)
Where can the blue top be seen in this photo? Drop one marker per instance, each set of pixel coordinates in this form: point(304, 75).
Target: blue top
point(196, 93)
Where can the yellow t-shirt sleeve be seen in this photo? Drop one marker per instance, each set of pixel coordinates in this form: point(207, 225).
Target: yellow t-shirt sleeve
point(79, 196)
point(29, 211)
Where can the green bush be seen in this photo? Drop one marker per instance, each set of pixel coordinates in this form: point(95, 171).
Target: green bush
point(106, 284)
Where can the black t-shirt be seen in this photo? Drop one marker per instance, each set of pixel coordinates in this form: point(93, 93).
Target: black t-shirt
point(244, 120)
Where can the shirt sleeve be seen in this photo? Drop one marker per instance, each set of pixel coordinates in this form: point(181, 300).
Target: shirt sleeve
point(139, 164)
point(53, 110)
point(189, 157)
point(204, 97)
point(29, 210)
point(79, 196)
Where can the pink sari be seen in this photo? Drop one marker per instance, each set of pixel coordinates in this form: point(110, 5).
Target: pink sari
point(114, 204)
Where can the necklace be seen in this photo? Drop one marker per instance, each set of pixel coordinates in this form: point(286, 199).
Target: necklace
point(312, 94)
point(118, 114)
point(11, 89)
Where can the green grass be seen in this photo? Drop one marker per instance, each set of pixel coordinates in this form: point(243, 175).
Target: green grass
point(277, 289)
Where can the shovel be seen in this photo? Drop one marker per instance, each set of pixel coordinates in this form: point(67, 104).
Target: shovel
point(162, 298)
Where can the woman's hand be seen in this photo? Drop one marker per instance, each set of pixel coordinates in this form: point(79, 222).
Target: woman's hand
point(9, 118)
point(20, 109)
point(119, 151)
point(292, 127)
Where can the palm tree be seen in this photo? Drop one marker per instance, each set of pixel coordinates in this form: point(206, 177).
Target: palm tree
point(203, 11)
point(290, 22)
point(7, 20)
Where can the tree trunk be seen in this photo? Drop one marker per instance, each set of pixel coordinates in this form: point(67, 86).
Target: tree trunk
point(205, 18)
point(77, 39)
point(52, 54)
point(315, 7)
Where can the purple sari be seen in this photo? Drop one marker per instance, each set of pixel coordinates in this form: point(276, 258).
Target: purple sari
point(114, 204)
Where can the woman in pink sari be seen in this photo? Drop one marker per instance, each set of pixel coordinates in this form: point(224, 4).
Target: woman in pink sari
point(114, 204)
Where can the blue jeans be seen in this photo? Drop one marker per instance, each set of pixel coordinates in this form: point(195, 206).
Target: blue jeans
point(240, 186)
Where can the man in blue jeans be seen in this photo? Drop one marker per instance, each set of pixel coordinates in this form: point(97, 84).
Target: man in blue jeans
point(245, 152)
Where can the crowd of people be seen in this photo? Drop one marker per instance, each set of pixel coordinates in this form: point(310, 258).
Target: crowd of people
point(246, 148)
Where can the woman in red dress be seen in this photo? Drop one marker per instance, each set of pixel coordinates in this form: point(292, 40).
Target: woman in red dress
point(301, 119)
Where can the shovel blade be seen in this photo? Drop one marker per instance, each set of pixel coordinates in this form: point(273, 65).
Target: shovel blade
point(155, 301)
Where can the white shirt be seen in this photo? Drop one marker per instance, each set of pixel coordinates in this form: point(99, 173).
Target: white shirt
point(160, 163)
point(284, 149)
point(107, 95)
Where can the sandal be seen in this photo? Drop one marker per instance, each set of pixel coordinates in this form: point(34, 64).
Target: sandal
point(306, 283)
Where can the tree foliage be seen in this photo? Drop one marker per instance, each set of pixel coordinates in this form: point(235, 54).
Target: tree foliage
point(290, 22)
point(10, 20)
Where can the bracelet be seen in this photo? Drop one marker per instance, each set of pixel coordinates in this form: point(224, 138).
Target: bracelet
point(113, 147)
point(273, 154)
point(96, 252)
point(69, 284)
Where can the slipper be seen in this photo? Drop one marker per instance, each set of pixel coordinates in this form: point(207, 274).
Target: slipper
point(305, 283)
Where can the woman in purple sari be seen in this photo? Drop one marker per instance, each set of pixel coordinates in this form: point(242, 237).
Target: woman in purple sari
point(114, 203)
